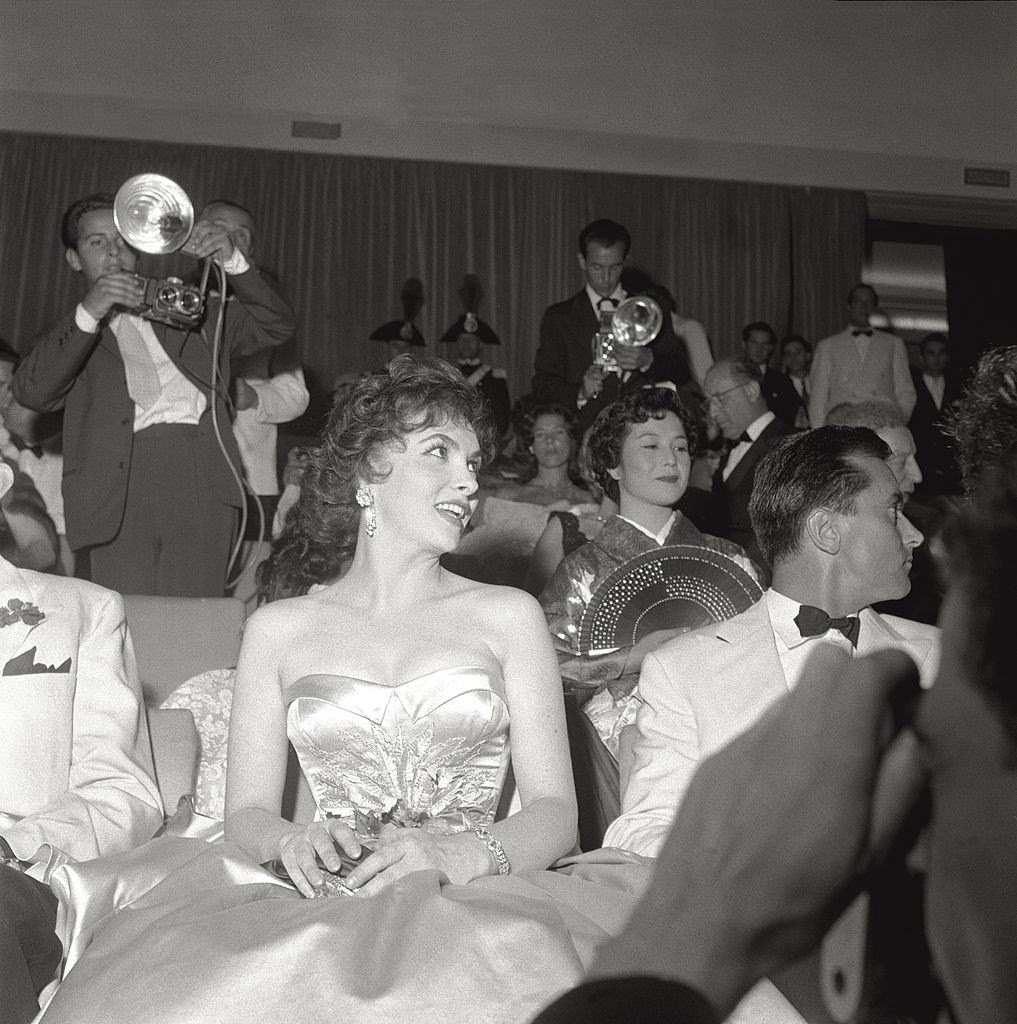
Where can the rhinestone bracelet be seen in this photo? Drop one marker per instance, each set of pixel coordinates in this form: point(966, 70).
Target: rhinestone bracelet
point(497, 850)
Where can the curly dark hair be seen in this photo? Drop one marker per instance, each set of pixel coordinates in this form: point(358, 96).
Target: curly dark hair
point(615, 421)
point(982, 554)
point(320, 533)
point(524, 432)
point(985, 423)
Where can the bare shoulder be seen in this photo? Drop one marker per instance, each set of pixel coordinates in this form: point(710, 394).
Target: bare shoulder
point(498, 611)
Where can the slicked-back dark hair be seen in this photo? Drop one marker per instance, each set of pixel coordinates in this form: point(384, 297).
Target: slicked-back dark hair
point(71, 220)
point(605, 233)
point(867, 287)
point(321, 528)
point(614, 423)
point(815, 469)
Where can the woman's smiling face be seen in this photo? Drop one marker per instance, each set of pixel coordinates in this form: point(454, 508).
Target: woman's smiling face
point(655, 464)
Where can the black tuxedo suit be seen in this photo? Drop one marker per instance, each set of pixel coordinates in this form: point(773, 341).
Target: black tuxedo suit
point(565, 354)
point(934, 449)
point(781, 398)
point(731, 496)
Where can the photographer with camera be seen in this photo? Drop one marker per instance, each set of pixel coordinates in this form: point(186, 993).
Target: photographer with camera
point(150, 500)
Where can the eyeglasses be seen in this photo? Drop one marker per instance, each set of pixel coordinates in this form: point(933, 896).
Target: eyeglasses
point(717, 398)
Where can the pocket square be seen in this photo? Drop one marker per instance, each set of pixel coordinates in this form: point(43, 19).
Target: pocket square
point(24, 665)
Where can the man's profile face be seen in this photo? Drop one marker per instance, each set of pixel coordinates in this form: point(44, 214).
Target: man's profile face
point(759, 347)
point(902, 460)
point(239, 226)
point(934, 358)
point(876, 540)
point(100, 249)
point(730, 402)
point(861, 306)
point(603, 265)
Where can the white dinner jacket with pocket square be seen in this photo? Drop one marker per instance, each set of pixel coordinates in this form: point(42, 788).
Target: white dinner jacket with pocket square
point(76, 774)
point(702, 689)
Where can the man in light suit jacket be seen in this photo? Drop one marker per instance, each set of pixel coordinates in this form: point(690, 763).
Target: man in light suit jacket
point(76, 775)
point(827, 513)
point(564, 371)
point(149, 498)
point(736, 401)
point(859, 364)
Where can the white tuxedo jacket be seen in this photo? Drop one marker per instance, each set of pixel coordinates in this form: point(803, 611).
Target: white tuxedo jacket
point(76, 774)
point(839, 375)
point(702, 689)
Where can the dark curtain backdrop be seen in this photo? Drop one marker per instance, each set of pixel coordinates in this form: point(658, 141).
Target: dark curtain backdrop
point(342, 233)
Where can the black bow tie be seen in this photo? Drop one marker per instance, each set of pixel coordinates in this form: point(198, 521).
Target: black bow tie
point(472, 363)
point(744, 437)
point(868, 334)
point(815, 622)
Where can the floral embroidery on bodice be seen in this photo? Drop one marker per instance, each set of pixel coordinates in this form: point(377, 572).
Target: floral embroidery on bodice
point(420, 754)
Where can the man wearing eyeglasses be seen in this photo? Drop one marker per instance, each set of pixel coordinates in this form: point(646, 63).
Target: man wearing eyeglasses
point(736, 403)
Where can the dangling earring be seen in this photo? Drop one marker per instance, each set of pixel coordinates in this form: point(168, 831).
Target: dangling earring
point(365, 499)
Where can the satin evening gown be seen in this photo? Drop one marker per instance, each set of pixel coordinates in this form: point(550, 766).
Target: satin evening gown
point(183, 930)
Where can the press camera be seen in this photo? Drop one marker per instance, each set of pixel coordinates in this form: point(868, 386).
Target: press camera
point(169, 301)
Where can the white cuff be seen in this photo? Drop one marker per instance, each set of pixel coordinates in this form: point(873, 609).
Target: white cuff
point(236, 264)
point(84, 320)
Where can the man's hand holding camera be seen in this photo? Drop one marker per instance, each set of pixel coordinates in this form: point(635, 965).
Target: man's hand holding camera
point(121, 288)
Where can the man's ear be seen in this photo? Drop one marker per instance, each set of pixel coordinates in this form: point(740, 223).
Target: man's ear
point(613, 473)
point(6, 478)
point(581, 260)
point(71, 255)
point(752, 391)
point(822, 528)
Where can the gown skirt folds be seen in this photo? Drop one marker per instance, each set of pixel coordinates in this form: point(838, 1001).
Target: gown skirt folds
point(183, 930)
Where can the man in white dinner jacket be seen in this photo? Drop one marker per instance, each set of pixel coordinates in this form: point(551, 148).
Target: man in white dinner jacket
point(826, 510)
point(76, 774)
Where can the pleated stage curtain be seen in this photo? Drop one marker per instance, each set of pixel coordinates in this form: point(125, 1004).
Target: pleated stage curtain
point(342, 233)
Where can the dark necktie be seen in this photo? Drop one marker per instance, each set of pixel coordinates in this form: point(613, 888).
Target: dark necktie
point(815, 622)
point(868, 334)
point(744, 438)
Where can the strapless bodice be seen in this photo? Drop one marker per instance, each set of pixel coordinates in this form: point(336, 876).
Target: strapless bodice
point(422, 753)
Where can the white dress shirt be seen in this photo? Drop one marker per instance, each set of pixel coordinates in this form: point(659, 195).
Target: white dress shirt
point(754, 429)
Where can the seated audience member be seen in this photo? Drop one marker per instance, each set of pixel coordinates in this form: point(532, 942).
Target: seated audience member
point(827, 511)
point(403, 336)
point(938, 398)
point(796, 358)
point(760, 342)
point(510, 519)
point(735, 895)
point(641, 450)
point(735, 400)
point(469, 334)
point(148, 488)
point(859, 364)
point(922, 602)
point(567, 530)
point(76, 776)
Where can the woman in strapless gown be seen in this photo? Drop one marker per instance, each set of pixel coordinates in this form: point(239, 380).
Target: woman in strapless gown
point(411, 696)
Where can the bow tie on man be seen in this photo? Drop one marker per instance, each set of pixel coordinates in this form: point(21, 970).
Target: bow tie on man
point(812, 621)
point(867, 333)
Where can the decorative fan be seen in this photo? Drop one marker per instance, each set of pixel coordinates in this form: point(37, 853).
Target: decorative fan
point(678, 585)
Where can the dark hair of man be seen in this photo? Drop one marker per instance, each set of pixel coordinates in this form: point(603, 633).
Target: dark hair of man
point(69, 223)
point(930, 338)
point(605, 233)
point(614, 423)
point(875, 415)
point(796, 339)
point(524, 434)
point(321, 529)
point(761, 326)
point(982, 556)
point(985, 423)
point(868, 288)
point(814, 469)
